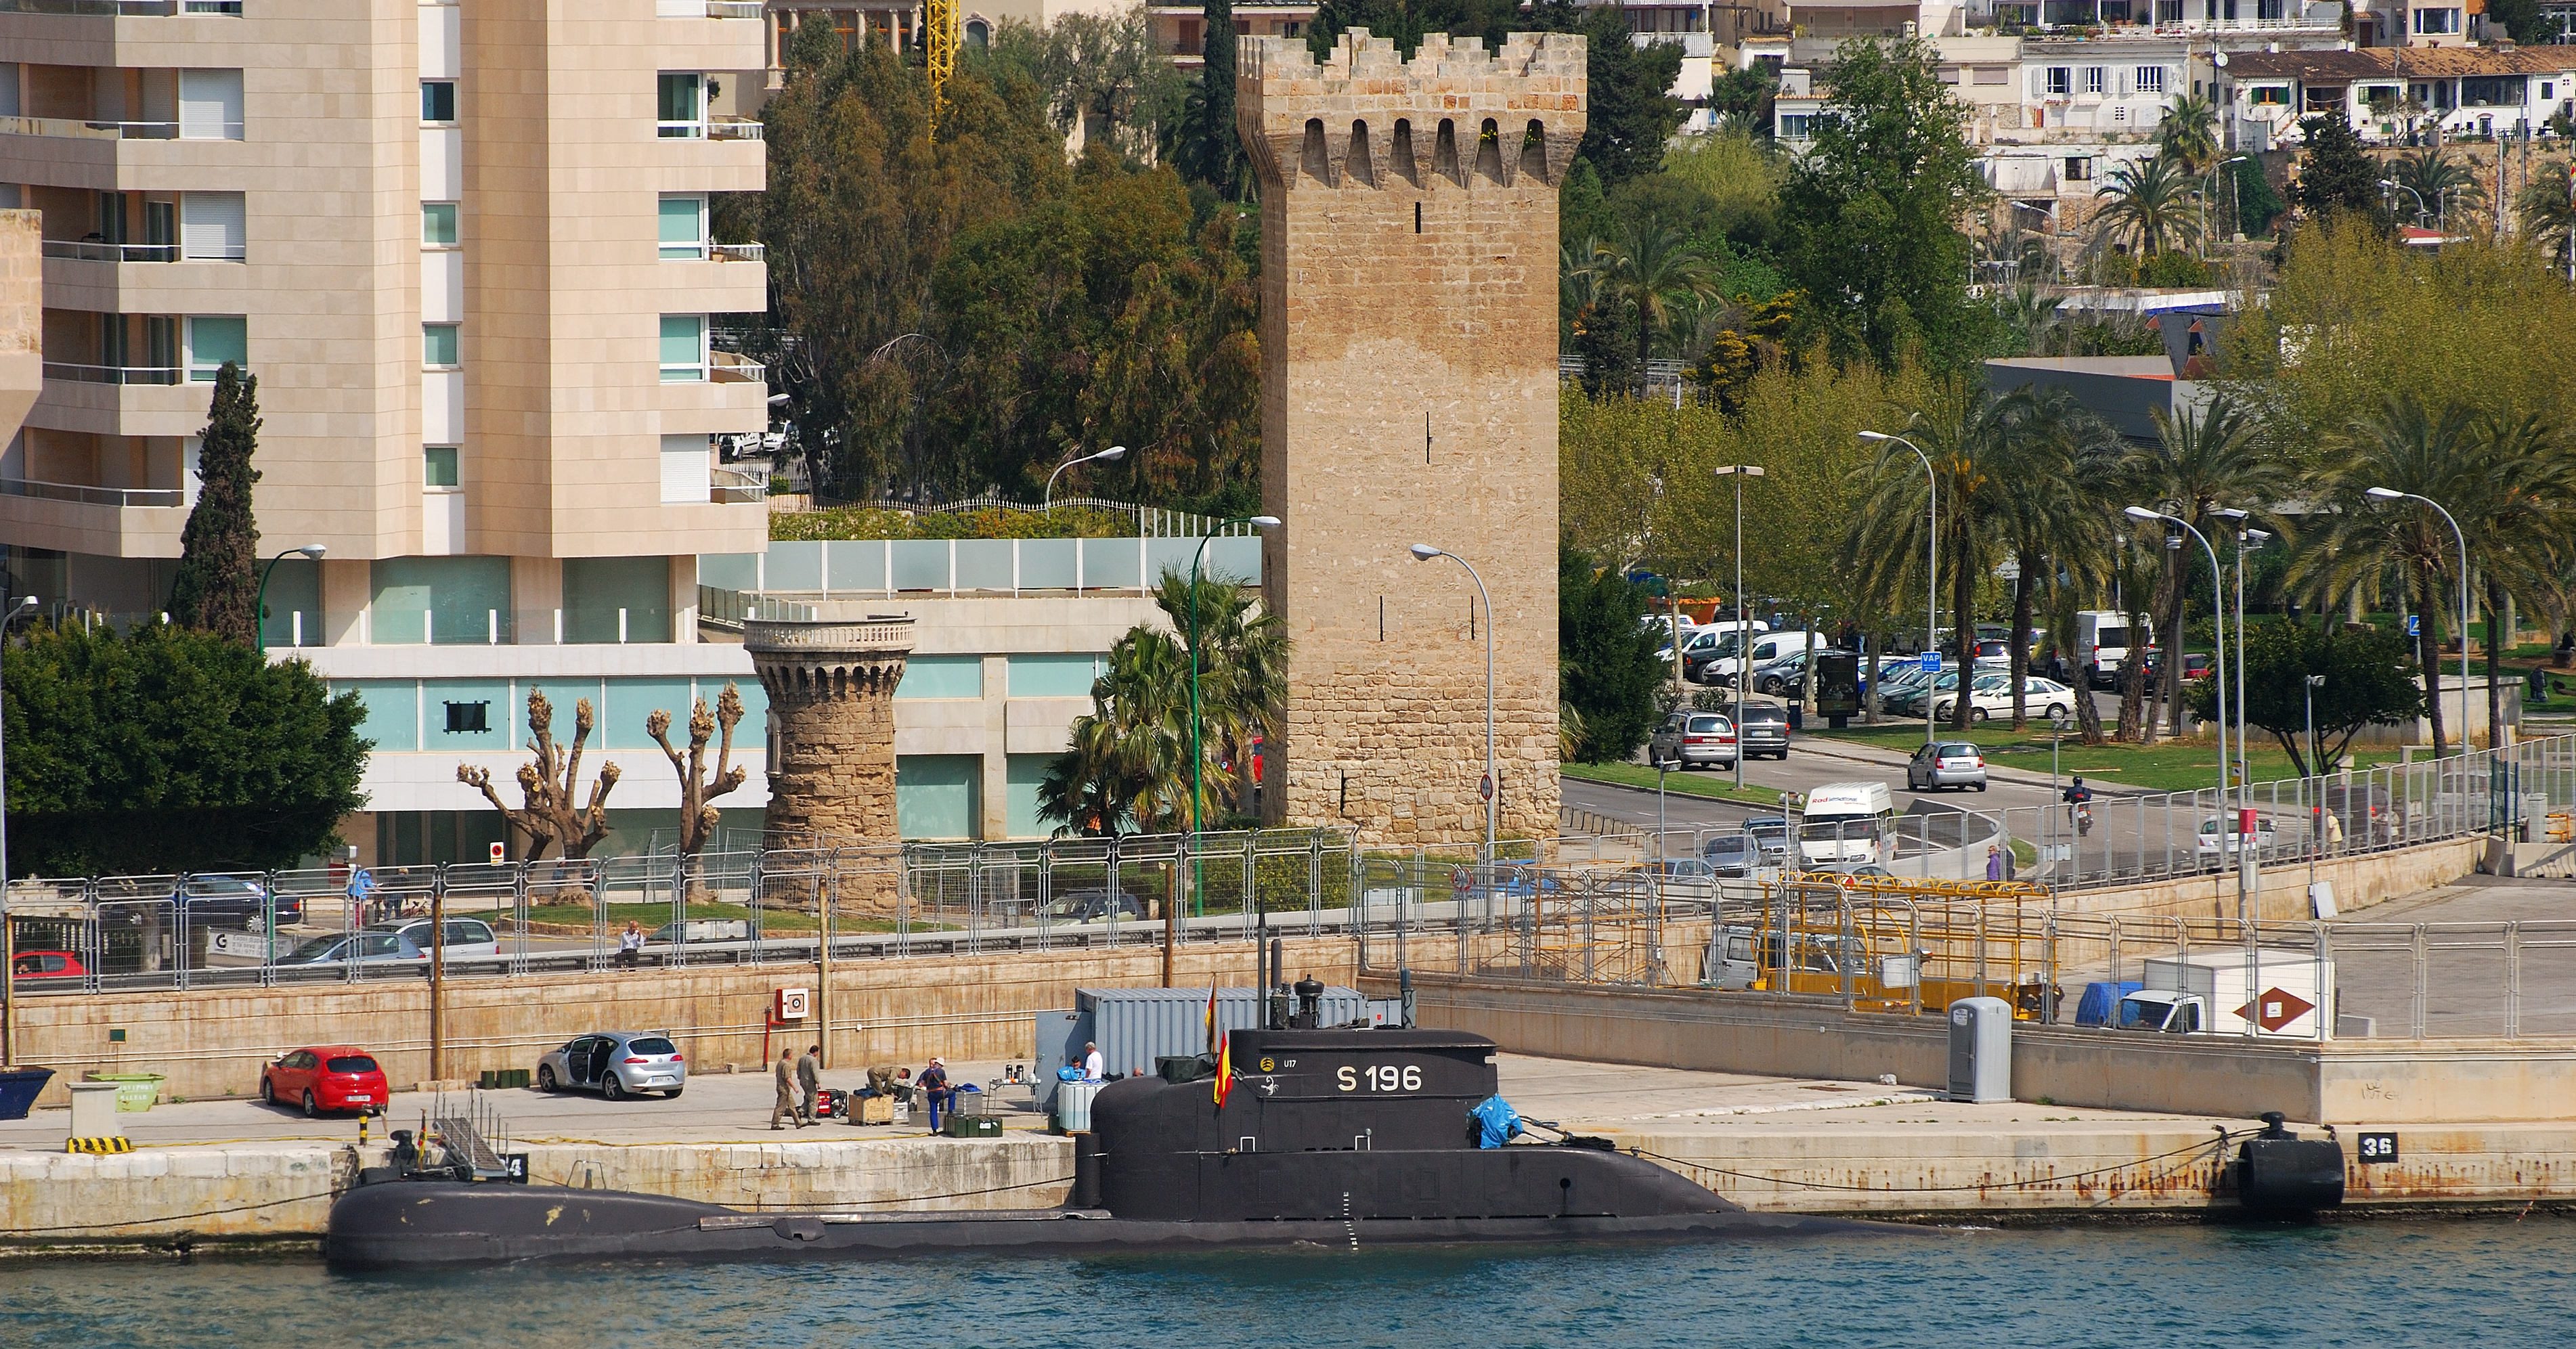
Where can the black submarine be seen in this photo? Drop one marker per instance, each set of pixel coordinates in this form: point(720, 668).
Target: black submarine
point(1338, 1137)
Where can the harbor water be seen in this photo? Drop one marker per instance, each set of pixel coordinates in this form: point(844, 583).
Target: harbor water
point(2495, 1282)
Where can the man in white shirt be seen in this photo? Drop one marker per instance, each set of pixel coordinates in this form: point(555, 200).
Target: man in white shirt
point(1094, 1067)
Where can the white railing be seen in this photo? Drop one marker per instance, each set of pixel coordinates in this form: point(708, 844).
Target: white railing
point(119, 9)
point(726, 367)
point(735, 129)
point(112, 374)
point(91, 496)
point(738, 252)
point(91, 250)
point(735, 485)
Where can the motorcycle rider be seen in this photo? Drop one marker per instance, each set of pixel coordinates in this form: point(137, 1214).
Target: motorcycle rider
point(2079, 803)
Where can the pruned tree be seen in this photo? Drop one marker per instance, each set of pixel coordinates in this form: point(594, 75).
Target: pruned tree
point(549, 818)
point(217, 586)
point(697, 818)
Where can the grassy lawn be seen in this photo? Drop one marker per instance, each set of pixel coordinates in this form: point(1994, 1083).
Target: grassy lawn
point(1718, 784)
point(2166, 766)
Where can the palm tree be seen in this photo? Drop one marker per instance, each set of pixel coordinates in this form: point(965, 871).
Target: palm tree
point(1972, 437)
point(2151, 205)
point(1128, 764)
point(2404, 445)
point(2436, 179)
point(2055, 516)
point(2189, 132)
point(1243, 678)
point(2524, 529)
point(2199, 465)
point(1654, 267)
point(2548, 211)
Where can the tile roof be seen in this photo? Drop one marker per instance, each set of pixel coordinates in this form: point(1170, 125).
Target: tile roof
point(2437, 63)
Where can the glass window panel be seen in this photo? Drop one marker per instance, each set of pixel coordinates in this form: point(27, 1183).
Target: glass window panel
point(596, 588)
point(684, 347)
point(393, 712)
point(1109, 564)
point(683, 227)
point(438, 100)
point(294, 587)
point(943, 677)
point(1046, 564)
point(1023, 773)
point(214, 339)
point(921, 564)
point(438, 223)
point(628, 702)
point(934, 795)
point(438, 345)
point(858, 565)
point(729, 571)
point(438, 466)
point(984, 564)
point(795, 566)
point(454, 702)
point(1054, 676)
point(459, 601)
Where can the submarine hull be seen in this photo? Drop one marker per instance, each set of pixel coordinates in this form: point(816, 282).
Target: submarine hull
point(441, 1224)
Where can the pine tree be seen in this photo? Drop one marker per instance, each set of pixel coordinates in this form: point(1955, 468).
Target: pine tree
point(2336, 176)
point(217, 589)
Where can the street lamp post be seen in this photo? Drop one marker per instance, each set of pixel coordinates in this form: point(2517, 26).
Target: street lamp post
point(1108, 456)
point(1492, 791)
point(259, 615)
point(2248, 862)
point(1743, 643)
point(2421, 210)
point(8, 939)
point(2213, 191)
point(2430, 677)
point(2316, 783)
point(2218, 595)
point(1197, 558)
point(1931, 577)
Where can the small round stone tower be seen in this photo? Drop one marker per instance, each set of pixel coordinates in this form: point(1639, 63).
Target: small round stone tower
point(831, 689)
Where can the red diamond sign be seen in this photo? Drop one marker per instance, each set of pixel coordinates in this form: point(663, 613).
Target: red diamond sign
point(2279, 1009)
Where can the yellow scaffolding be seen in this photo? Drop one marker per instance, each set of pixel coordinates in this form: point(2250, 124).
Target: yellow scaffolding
point(1903, 945)
point(941, 21)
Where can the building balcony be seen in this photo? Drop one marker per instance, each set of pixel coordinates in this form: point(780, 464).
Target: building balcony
point(119, 401)
point(712, 129)
point(90, 250)
point(112, 374)
point(121, 9)
point(707, 9)
point(98, 521)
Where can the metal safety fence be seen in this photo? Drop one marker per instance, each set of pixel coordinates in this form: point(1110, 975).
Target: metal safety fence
point(747, 904)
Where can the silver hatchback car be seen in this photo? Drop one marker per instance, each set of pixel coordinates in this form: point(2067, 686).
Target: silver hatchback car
point(616, 1064)
point(1947, 764)
point(1693, 740)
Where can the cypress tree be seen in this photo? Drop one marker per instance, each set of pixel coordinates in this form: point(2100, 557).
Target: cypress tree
point(1218, 150)
point(217, 589)
point(2337, 176)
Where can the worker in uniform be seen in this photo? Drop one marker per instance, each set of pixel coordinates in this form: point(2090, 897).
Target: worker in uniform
point(786, 1107)
point(809, 1081)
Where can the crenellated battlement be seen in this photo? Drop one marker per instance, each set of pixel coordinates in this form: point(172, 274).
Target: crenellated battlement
point(1456, 114)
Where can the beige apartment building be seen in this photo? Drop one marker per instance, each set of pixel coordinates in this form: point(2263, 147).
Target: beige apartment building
point(464, 247)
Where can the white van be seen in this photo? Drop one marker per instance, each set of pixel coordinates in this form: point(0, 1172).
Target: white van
point(1845, 825)
point(1767, 647)
point(2101, 644)
point(1708, 641)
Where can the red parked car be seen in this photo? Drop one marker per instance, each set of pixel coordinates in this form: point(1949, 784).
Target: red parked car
point(325, 1077)
point(46, 965)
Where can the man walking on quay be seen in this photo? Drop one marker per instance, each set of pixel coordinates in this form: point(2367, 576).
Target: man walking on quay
point(809, 1079)
point(785, 1109)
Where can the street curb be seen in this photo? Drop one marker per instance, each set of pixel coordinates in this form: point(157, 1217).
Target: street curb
point(1856, 753)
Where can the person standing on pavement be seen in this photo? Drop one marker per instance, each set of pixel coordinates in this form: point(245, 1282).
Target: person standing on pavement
point(785, 1109)
point(362, 894)
point(809, 1080)
point(630, 946)
point(1994, 864)
point(933, 1083)
point(1094, 1067)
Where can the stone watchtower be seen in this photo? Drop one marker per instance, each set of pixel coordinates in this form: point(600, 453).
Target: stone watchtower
point(831, 691)
point(1409, 395)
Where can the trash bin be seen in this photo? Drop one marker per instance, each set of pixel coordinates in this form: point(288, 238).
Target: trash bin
point(1981, 1050)
point(94, 1110)
point(19, 1088)
point(135, 1092)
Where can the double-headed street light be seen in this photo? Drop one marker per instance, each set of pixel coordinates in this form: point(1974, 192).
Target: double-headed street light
point(259, 616)
point(1931, 580)
point(1743, 617)
point(1491, 790)
point(1108, 456)
point(2431, 677)
point(2218, 596)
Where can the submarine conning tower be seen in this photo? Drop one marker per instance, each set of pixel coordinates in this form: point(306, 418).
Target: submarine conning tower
point(1323, 1124)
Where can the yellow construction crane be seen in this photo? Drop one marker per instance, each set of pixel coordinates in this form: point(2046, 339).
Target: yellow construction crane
point(941, 16)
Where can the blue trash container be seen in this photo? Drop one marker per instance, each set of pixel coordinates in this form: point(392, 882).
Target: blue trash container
point(19, 1088)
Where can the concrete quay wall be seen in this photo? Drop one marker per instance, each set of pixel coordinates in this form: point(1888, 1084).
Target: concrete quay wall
point(212, 1042)
point(2366, 1082)
point(274, 1192)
